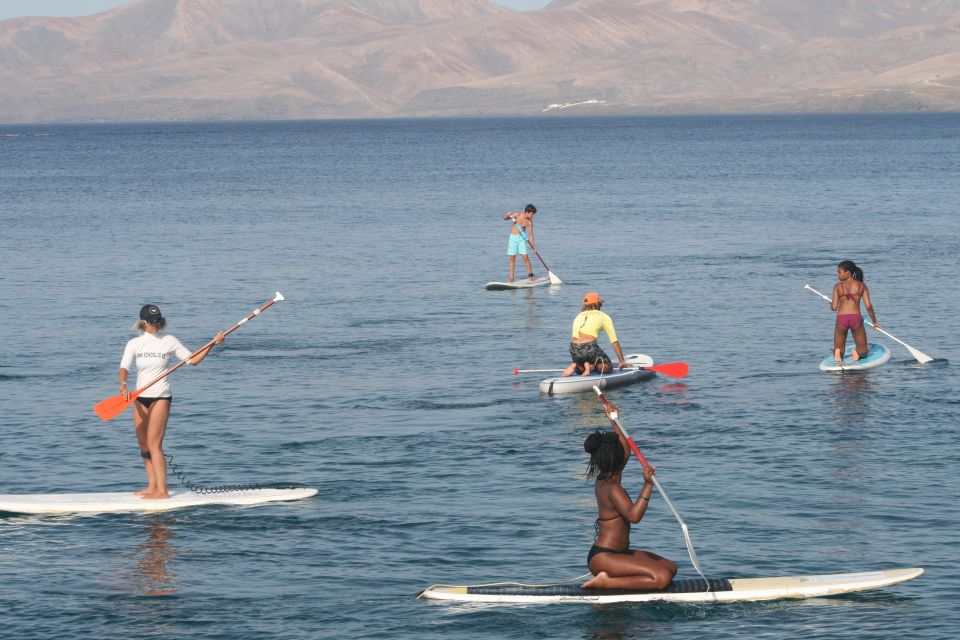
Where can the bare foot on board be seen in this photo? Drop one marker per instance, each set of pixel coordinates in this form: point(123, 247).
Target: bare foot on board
point(598, 581)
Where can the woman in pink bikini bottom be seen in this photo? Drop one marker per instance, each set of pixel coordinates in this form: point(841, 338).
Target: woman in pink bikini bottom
point(847, 295)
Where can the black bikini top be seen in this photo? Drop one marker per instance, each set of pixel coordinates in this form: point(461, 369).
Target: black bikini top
point(596, 524)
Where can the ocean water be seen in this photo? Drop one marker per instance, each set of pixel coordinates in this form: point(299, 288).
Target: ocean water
point(385, 378)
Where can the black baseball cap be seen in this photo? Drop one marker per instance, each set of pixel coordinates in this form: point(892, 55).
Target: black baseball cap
point(150, 313)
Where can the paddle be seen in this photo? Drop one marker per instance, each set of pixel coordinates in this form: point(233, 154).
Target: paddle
point(643, 461)
point(553, 277)
point(916, 353)
point(110, 408)
point(671, 369)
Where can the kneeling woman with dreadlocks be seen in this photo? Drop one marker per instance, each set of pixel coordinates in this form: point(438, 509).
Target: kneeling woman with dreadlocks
point(611, 560)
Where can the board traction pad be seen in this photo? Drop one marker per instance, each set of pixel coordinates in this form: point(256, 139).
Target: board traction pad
point(677, 586)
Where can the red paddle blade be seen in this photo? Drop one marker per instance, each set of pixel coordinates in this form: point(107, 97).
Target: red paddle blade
point(112, 407)
point(516, 371)
point(672, 369)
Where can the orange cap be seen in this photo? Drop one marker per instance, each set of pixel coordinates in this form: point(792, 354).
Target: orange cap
point(592, 298)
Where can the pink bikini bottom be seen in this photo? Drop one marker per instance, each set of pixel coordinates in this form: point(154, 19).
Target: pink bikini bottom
point(849, 320)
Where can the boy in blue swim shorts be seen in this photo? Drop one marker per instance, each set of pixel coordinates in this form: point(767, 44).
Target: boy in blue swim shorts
point(520, 236)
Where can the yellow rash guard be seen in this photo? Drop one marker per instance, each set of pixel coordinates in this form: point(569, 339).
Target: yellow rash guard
point(590, 323)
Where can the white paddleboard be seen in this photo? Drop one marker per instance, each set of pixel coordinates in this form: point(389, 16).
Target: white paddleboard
point(634, 372)
point(126, 501)
point(522, 283)
point(877, 354)
point(721, 590)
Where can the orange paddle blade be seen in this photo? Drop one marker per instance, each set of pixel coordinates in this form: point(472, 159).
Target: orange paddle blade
point(672, 369)
point(112, 407)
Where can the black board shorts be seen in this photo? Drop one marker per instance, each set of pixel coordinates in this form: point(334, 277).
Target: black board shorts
point(588, 353)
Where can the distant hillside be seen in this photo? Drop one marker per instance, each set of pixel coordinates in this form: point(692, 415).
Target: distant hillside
point(259, 59)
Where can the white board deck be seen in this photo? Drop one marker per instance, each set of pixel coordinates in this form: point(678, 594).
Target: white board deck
point(577, 384)
point(520, 283)
point(124, 501)
point(877, 354)
point(725, 590)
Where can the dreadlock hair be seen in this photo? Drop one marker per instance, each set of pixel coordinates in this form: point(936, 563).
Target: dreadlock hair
point(606, 455)
point(851, 267)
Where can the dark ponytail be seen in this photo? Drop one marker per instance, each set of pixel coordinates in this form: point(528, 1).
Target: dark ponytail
point(606, 454)
point(851, 267)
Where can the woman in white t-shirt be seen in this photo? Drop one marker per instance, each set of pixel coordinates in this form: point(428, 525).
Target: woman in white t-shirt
point(151, 351)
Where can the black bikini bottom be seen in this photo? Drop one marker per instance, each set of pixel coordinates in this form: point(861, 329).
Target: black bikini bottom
point(594, 550)
point(149, 401)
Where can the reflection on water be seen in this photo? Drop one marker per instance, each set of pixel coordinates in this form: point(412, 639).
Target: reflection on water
point(152, 575)
point(644, 620)
point(590, 408)
point(849, 400)
point(673, 393)
point(526, 309)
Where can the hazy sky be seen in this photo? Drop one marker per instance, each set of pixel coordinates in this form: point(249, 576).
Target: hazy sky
point(14, 8)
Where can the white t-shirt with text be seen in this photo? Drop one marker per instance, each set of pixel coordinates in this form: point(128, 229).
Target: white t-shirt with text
point(151, 352)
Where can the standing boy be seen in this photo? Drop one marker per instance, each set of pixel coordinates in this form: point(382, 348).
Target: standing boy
point(520, 235)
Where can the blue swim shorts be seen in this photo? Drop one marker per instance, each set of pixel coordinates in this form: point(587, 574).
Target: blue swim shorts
point(516, 245)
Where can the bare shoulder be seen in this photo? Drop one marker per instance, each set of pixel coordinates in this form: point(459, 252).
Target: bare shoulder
point(607, 487)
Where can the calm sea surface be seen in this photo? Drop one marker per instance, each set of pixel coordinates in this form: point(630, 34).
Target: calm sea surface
point(385, 378)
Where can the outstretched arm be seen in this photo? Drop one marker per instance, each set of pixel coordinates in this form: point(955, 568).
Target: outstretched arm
point(622, 361)
point(836, 297)
point(612, 411)
point(197, 359)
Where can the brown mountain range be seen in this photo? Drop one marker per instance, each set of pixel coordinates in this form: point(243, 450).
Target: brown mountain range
point(269, 59)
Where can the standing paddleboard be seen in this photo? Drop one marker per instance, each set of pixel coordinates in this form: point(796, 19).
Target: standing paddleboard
point(575, 383)
point(721, 590)
point(523, 283)
point(877, 354)
point(126, 501)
